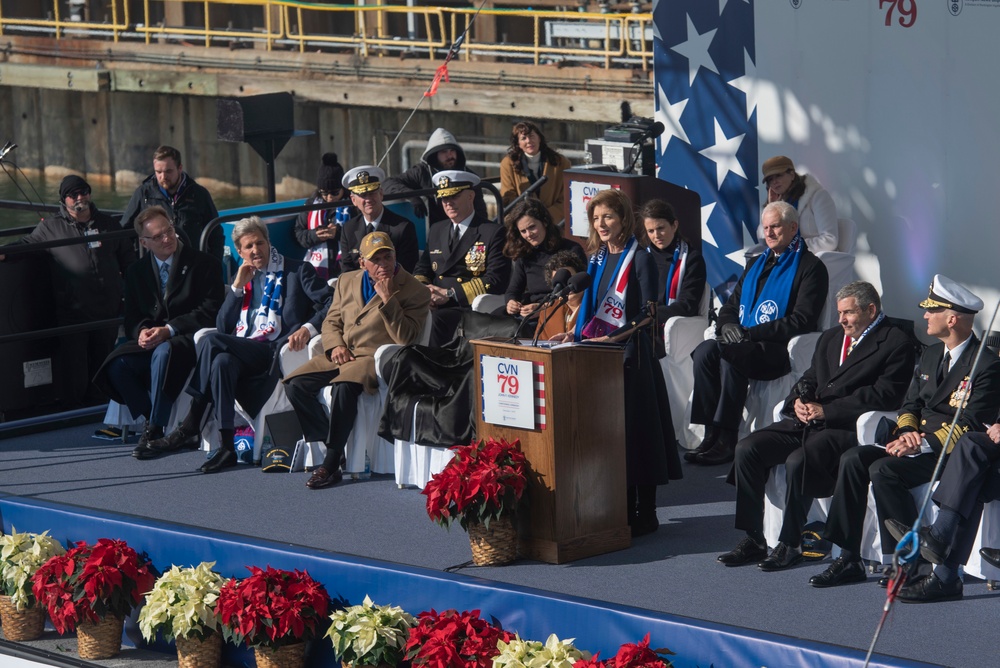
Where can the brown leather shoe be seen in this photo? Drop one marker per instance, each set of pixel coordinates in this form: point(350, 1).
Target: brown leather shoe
point(322, 478)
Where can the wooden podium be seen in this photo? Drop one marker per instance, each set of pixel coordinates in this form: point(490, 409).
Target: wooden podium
point(575, 500)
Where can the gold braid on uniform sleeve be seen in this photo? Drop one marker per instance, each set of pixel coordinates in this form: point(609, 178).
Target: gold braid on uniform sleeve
point(474, 288)
point(942, 434)
point(906, 422)
point(423, 279)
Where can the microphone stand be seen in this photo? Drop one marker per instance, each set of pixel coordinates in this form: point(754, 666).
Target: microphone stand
point(555, 304)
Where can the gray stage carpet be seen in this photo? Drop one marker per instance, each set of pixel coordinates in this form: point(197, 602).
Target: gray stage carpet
point(673, 570)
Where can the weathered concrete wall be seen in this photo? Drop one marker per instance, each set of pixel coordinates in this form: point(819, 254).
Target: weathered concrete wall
point(110, 137)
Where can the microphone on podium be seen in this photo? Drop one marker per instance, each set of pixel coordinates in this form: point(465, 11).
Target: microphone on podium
point(578, 282)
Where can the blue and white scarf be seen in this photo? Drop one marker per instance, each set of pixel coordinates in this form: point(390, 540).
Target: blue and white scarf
point(265, 322)
point(675, 275)
point(773, 299)
point(596, 320)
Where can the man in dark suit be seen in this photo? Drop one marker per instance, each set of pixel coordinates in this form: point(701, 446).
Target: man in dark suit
point(273, 299)
point(907, 452)
point(170, 294)
point(780, 295)
point(864, 364)
point(365, 186)
point(464, 255)
point(971, 479)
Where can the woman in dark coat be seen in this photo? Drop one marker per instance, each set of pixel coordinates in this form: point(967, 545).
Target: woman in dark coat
point(625, 280)
point(532, 239)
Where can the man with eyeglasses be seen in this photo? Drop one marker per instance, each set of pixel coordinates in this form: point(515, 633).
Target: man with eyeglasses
point(365, 185)
point(170, 294)
point(189, 204)
point(86, 285)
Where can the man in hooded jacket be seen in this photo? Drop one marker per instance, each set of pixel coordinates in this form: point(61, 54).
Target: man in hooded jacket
point(443, 152)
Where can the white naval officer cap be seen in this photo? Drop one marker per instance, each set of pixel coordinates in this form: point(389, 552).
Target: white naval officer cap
point(950, 294)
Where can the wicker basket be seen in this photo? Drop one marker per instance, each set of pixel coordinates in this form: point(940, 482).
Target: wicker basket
point(102, 640)
point(495, 546)
point(289, 656)
point(195, 653)
point(21, 625)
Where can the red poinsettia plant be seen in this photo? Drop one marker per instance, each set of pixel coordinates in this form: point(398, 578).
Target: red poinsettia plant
point(483, 481)
point(631, 655)
point(92, 582)
point(272, 608)
point(454, 639)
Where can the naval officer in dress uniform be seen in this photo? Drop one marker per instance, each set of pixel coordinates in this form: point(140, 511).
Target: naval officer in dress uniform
point(365, 185)
point(464, 255)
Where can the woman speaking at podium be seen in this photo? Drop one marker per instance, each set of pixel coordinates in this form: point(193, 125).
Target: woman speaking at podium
point(614, 309)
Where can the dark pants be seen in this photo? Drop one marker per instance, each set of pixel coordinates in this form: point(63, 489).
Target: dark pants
point(139, 379)
point(968, 481)
point(891, 479)
point(303, 392)
point(224, 360)
point(782, 443)
point(720, 389)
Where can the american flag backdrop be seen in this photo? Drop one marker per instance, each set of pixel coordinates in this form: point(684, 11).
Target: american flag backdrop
point(704, 57)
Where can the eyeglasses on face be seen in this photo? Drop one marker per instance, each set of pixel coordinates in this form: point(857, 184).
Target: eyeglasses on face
point(164, 236)
point(79, 192)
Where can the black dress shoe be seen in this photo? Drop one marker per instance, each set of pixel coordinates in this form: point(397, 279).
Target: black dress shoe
point(782, 556)
point(220, 459)
point(711, 436)
point(931, 590)
point(175, 440)
point(991, 555)
point(723, 452)
point(747, 552)
point(840, 572)
point(322, 478)
point(642, 526)
point(149, 434)
point(931, 549)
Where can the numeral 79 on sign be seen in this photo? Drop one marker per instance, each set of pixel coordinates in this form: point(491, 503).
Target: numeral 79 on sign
point(508, 384)
point(907, 11)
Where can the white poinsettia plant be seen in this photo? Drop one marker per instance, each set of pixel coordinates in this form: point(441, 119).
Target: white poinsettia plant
point(369, 634)
point(21, 554)
point(182, 604)
point(554, 653)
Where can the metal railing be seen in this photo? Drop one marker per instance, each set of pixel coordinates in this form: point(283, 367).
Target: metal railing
point(556, 36)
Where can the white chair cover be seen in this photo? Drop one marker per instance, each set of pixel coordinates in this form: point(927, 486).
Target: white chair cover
point(681, 336)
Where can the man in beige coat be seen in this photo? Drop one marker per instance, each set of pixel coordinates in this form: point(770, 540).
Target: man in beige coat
point(379, 304)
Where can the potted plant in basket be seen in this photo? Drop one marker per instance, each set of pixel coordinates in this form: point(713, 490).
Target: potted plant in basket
point(274, 612)
point(555, 653)
point(21, 554)
point(92, 588)
point(481, 487)
point(631, 655)
point(369, 634)
point(454, 640)
point(182, 607)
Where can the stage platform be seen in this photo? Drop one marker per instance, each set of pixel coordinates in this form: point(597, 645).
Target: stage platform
point(368, 537)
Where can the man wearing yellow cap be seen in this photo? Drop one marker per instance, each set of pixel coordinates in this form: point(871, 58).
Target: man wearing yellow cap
point(464, 255)
point(365, 185)
point(379, 304)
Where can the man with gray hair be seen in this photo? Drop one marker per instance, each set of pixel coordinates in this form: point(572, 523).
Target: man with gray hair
point(905, 452)
point(863, 364)
point(273, 299)
point(780, 295)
